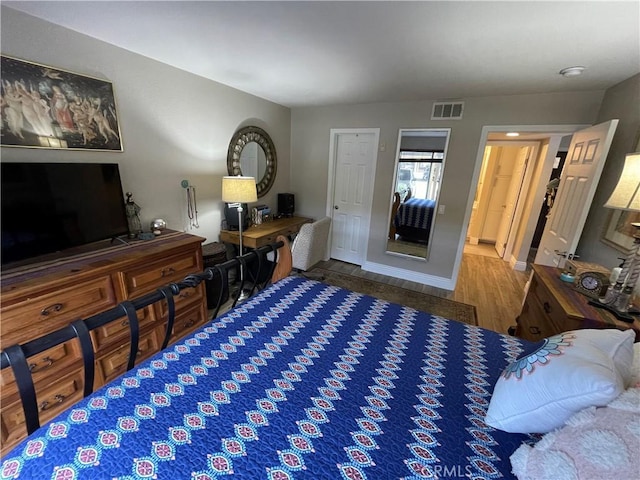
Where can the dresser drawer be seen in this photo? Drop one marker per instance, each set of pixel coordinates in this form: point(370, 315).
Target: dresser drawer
point(532, 323)
point(549, 305)
point(290, 232)
point(145, 278)
point(52, 400)
point(118, 330)
point(183, 300)
point(187, 321)
point(50, 364)
point(114, 364)
point(43, 314)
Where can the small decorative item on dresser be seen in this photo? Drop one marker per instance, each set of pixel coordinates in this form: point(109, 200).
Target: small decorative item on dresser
point(592, 284)
point(133, 216)
point(158, 225)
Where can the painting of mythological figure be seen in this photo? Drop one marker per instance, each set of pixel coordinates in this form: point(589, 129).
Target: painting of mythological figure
point(44, 107)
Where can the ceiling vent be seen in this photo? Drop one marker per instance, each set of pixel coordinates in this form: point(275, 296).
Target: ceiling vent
point(447, 111)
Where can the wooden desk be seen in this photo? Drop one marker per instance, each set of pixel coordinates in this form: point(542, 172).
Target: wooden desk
point(258, 235)
point(553, 306)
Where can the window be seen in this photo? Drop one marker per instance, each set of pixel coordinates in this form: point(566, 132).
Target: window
point(420, 171)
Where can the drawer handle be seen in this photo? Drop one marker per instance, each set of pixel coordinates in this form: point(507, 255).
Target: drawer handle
point(167, 271)
point(138, 353)
point(33, 367)
point(547, 307)
point(125, 323)
point(185, 294)
point(56, 307)
point(534, 330)
point(46, 405)
point(189, 323)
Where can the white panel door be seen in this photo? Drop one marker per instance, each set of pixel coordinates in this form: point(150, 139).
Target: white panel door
point(580, 175)
point(511, 200)
point(502, 175)
point(355, 157)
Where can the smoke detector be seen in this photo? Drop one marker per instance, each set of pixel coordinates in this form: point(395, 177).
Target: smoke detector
point(571, 71)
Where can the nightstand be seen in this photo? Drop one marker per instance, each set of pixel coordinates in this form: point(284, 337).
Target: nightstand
point(553, 306)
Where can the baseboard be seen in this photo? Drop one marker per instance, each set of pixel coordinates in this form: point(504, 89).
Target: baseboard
point(430, 280)
point(517, 265)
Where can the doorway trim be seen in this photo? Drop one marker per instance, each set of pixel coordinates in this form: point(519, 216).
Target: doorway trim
point(547, 130)
point(331, 181)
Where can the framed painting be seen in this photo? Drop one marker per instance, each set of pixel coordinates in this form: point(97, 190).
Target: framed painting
point(44, 107)
point(618, 231)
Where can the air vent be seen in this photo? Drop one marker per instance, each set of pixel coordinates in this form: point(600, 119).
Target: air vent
point(447, 110)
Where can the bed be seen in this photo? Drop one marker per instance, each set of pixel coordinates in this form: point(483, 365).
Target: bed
point(303, 380)
point(308, 380)
point(411, 218)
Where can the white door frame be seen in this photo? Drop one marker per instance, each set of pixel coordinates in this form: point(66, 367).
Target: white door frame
point(333, 146)
point(486, 130)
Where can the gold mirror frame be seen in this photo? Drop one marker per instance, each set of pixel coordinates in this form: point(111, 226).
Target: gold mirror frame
point(238, 141)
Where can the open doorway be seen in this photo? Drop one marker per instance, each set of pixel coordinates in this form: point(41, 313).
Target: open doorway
point(501, 194)
point(511, 189)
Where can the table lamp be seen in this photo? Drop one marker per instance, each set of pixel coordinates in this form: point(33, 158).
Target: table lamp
point(626, 196)
point(239, 190)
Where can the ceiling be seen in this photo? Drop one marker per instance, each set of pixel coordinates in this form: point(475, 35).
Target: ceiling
point(304, 53)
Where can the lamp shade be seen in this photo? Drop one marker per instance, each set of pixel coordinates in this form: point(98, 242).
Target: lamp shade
point(239, 189)
point(626, 195)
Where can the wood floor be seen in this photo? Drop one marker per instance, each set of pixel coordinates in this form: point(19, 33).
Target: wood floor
point(485, 281)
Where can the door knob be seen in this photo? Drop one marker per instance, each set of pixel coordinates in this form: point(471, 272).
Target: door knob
point(335, 207)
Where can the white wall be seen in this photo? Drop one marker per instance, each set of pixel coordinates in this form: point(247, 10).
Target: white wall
point(174, 125)
point(310, 156)
point(621, 101)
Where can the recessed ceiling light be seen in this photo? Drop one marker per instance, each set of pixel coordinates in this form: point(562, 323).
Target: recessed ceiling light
point(513, 134)
point(571, 71)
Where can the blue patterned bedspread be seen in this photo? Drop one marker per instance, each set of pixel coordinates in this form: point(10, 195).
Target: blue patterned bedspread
point(415, 212)
point(304, 380)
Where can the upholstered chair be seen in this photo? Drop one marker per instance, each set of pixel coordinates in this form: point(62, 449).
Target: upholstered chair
point(310, 244)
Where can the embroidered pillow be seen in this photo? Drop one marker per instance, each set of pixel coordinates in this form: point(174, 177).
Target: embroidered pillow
point(595, 443)
point(563, 375)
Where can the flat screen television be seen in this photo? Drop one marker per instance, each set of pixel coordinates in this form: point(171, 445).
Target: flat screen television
point(53, 207)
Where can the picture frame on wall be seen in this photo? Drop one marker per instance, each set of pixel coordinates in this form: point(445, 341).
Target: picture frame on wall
point(46, 107)
point(618, 231)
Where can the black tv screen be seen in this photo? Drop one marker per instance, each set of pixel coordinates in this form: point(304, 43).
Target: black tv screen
point(51, 207)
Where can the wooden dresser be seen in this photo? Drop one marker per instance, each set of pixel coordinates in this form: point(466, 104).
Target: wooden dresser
point(40, 299)
point(553, 306)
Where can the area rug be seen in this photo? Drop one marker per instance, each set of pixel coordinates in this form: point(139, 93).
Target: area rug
point(443, 307)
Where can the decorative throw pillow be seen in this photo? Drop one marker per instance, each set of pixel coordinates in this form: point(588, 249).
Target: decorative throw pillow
point(563, 375)
point(595, 443)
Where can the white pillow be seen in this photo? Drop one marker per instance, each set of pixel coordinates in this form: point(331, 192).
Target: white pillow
point(595, 443)
point(567, 373)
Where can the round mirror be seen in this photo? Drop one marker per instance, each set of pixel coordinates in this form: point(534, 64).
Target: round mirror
point(251, 153)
